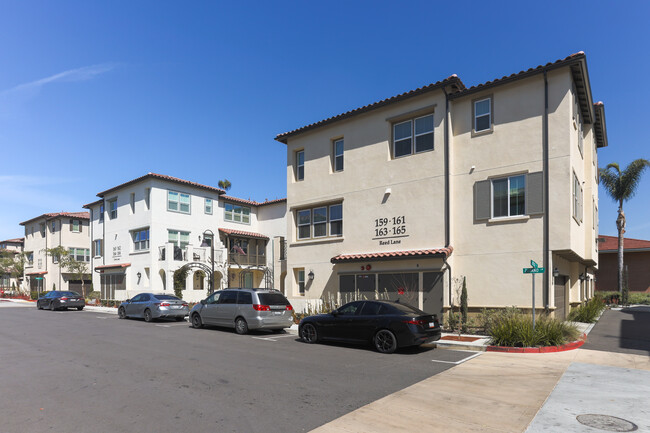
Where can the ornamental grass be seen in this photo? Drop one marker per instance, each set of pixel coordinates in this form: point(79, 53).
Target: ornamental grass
point(514, 328)
point(588, 312)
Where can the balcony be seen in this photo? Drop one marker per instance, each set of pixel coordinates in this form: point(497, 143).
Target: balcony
point(247, 259)
point(189, 253)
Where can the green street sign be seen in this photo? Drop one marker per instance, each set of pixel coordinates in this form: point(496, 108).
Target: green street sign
point(533, 270)
point(533, 264)
point(38, 278)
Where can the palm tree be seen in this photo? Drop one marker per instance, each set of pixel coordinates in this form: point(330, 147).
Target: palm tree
point(621, 186)
point(224, 184)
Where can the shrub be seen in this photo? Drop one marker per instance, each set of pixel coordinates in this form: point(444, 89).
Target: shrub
point(642, 298)
point(589, 311)
point(513, 328)
point(463, 305)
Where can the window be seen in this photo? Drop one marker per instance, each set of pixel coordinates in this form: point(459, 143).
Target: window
point(42, 229)
point(132, 202)
point(413, 136)
point(509, 196)
point(208, 206)
point(300, 165)
point(483, 115)
point(101, 213)
point(97, 248)
point(581, 137)
point(577, 198)
point(80, 254)
point(140, 240)
point(40, 263)
point(178, 238)
point(75, 226)
point(314, 223)
point(236, 213)
point(30, 258)
point(338, 155)
point(112, 209)
point(178, 202)
point(300, 279)
point(53, 226)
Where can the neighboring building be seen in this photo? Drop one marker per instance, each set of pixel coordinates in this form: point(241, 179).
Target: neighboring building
point(636, 260)
point(405, 196)
point(50, 230)
point(146, 229)
point(13, 247)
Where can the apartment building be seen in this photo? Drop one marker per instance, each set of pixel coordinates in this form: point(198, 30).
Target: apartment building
point(147, 229)
point(405, 197)
point(65, 229)
point(10, 249)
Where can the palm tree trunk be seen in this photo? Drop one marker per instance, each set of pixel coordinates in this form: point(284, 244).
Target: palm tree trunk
point(620, 225)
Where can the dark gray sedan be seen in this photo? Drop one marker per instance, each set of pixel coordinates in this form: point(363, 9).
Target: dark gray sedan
point(60, 300)
point(149, 306)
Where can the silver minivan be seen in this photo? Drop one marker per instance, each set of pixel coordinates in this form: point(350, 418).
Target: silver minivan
point(244, 310)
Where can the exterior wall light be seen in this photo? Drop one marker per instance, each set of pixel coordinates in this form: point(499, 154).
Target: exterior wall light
point(556, 272)
point(311, 274)
point(139, 275)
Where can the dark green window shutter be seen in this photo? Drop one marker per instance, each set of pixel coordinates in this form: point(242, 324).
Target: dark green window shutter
point(535, 193)
point(482, 197)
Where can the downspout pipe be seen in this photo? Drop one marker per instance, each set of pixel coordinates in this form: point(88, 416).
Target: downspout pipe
point(447, 194)
point(545, 169)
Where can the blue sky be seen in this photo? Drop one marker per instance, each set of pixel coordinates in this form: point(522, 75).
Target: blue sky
point(93, 94)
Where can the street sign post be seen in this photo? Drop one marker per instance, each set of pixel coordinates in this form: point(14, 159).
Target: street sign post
point(534, 270)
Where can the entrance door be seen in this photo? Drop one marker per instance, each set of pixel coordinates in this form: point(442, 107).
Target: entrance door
point(559, 284)
point(432, 291)
point(248, 280)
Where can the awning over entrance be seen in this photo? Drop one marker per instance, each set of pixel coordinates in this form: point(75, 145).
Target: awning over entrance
point(36, 273)
point(393, 255)
point(103, 268)
point(243, 234)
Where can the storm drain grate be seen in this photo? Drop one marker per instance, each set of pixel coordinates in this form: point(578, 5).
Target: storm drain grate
point(606, 422)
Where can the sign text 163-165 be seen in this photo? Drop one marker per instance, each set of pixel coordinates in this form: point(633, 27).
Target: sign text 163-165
point(393, 226)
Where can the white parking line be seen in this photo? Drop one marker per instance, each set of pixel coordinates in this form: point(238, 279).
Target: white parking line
point(273, 338)
point(101, 317)
point(459, 362)
point(175, 324)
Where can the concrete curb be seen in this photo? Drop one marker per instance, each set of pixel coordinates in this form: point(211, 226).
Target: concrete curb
point(544, 349)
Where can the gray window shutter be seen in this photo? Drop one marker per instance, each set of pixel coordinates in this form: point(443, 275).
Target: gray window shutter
point(535, 193)
point(482, 198)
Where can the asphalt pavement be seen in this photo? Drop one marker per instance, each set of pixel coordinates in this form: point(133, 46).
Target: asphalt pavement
point(87, 371)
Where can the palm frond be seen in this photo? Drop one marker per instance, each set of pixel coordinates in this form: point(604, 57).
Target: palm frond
point(631, 177)
point(610, 181)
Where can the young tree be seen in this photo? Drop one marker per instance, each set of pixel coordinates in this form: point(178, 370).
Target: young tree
point(12, 264)
point(621, 186)
point(224, 184)
point(75, 267)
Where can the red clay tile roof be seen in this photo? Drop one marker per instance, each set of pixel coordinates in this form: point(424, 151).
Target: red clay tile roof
point(163, 177)
point(409, 254)
point(453, 80)
point(36, 273)
point(117, 265)
point(629, 244)
point(49, 216)
point(15, 241)
point(251, 202)
point(243, 233)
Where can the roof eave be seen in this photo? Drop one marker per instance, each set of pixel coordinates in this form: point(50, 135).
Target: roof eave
point(600, 125)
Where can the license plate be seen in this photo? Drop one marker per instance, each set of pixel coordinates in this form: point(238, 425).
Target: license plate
point(432, 325)
point(277, 313)
point(177, 306)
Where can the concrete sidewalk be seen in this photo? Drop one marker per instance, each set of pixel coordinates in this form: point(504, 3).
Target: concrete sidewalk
point(493, 392)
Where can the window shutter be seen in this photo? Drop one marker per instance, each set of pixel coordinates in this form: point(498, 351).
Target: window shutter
point(482, 195)
point(81, 226)
point(535, 193)
point(71, 225)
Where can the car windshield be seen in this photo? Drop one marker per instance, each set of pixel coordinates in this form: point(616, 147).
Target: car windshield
point(167, 298)
point(272, 299)
point(405, 308)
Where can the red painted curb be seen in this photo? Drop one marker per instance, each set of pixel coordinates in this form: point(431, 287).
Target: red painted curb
point(544, 349)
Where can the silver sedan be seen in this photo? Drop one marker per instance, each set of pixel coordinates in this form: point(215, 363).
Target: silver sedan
point(150, 306)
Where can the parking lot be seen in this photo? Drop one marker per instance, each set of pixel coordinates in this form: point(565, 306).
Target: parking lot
point(91, 372)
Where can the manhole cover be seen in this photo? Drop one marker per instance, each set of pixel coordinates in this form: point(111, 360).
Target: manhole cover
point(606, 422)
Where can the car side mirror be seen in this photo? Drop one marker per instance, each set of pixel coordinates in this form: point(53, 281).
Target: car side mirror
point(335, 313)
point(128, 301)
point(203, 302)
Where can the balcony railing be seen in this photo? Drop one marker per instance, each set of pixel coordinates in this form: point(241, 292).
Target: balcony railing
point(187, 254)
point(248, 259)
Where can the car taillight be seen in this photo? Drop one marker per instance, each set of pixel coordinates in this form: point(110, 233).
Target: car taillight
point(258, 307)
point(165, 304)
point(289, 307)
point(186, 304)
point(415, 322)
point(64, 298)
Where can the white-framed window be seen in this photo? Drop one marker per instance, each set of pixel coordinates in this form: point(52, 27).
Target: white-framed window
point(75, 226)
point(338, 154)
point(320, 222)
point(80, 254)
point(300, 279)
point(237, 213)
point(53, 226)
point(42, 229)
point(30, 258)
point(300, 165)
point(483, 115)
point(140, 239)
point(178, 202)
point(581, 136)
point(101, 213)
point(97, 248)
point(509, 196)
point(179, 238)
point(132, 203)
point(112, 208)
point(208, 206)
point(577, 198)
point(413, 136)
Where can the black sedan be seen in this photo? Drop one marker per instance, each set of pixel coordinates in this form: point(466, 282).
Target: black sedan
point(386, 324)
point(61, 300)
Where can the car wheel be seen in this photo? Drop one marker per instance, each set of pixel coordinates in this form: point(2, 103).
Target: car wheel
point(52, 307)
point(196, 321)
point(121, 313)
point(308, 333)
point(241, 327)
point(385, 341)
point(147, 315)
point(80, 308)
point(38, 306)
